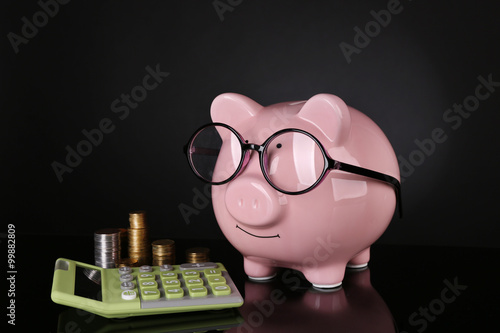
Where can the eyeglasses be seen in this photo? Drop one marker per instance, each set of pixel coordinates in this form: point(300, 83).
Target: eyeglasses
point(292, 161)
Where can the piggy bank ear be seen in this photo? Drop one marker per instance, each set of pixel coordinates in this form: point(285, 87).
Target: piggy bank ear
point(330, 115)
point(231, 108)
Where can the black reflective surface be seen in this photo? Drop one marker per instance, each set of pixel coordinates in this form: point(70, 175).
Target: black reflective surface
point(405, 289)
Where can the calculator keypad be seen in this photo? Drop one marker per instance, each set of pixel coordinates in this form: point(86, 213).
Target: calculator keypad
point(177, 285)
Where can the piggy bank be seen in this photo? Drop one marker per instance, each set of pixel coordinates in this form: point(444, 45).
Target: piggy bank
point(308, 185)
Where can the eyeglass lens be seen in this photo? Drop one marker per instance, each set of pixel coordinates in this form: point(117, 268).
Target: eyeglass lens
point(292, 161)
point(208, 158)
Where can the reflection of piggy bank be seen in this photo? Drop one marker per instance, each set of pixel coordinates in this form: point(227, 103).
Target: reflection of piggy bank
point(280, 306)
point(313, 198)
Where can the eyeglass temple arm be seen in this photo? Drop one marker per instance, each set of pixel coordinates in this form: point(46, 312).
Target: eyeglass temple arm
point(375, 175)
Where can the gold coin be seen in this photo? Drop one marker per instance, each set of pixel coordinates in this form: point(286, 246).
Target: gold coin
point(165, 261)
point(132, 232)
point(197, 254)
point(137, 219)
point(163, 254)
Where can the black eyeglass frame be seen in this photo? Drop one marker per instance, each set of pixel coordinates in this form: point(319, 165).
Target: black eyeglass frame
point(330, 163)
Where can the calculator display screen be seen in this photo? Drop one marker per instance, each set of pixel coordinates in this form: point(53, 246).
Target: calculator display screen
point(87, 283)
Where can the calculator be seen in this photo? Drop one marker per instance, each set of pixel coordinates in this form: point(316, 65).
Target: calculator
point(146, 290)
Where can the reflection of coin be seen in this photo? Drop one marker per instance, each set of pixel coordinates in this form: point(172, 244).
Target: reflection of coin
point(93, 274)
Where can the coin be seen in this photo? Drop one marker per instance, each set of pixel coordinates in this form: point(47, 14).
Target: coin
point(137, 219)
point(197, 254)
point(139, 247)
point(107, 247)
point(163, 252)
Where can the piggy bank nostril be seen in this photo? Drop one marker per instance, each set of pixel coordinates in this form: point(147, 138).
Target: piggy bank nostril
point(255, 204)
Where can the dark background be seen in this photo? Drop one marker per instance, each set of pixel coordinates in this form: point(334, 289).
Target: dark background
point(66, 77)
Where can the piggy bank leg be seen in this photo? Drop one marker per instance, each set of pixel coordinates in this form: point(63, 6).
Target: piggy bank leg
point(360, 260)
point(325, 277)
point(259, 269)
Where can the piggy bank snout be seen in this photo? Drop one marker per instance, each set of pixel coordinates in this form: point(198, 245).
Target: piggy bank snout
point(252, 201)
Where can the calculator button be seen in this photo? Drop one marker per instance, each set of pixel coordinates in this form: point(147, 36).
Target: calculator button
point(164, 268)
point(150, 294)
point(174, 293)
point(126, 277)
point(127, 285)
point(198, 291)
point(125, 270)
point(171, 283)
point(194, 282)
point(168, 275)
point(145, 268)
point(221, 290)
point(190, 274)
point(146, 276)
point(129, 295)
point(148, 284)
point(199, 265)
point(212, 272)
point(212, 280)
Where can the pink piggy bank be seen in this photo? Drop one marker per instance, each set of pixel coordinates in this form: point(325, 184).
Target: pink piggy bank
point(307, 185)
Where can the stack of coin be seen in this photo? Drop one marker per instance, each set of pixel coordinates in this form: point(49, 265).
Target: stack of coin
point(197, 254)
point(107, 247)
point(163, 252)
point(139, 247)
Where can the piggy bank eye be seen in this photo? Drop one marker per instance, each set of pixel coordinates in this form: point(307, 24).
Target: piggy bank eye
point(278, 145)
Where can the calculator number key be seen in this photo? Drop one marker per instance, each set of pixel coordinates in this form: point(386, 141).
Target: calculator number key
point(190, 274)
point(197, 291)
point(172, 293)
point(150, 294)
point(221, 290)
point(167, 283)
point(168, 275)
point(148, 284)
point(190, 282)
point(146, 276)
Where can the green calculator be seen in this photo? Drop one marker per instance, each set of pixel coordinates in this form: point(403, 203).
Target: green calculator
point(146, 290)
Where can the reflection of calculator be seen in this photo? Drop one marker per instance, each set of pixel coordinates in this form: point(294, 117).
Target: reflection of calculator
point(199, 321)
point(135, 291)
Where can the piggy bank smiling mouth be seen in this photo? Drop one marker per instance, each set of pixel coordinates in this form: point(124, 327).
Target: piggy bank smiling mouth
point(238, 227)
